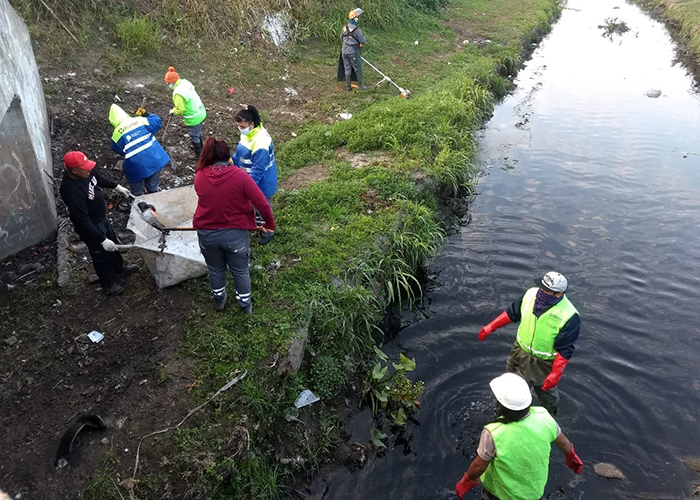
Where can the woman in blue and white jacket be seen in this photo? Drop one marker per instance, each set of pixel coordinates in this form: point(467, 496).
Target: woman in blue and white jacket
point(256, 155)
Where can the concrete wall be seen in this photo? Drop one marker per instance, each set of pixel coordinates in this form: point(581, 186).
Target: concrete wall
point(27, 205)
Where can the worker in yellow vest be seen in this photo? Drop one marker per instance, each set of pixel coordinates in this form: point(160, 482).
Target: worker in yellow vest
point(549, 327)
point(189, 106)
point(512, 459)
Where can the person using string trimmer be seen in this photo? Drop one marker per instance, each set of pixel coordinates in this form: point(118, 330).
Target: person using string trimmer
point(350, 54)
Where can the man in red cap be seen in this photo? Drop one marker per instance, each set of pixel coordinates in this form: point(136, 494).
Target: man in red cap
point(80, 190)
point(549, 327)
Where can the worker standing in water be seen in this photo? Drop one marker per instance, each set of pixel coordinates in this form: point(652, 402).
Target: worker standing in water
point(549, 326)
point(353, 41)
point(188, 105)
point(512, 459)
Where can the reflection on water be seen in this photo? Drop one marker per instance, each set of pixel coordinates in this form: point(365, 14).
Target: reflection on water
point(587, 175)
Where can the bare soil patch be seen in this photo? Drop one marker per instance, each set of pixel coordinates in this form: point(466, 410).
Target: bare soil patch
point(304, 176)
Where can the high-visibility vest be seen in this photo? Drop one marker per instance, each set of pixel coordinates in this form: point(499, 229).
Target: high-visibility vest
point(195, 112)
point(536, 335)
point(520, 468)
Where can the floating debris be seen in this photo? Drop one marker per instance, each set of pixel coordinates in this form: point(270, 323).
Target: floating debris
point(654, 93)
point(608, 471)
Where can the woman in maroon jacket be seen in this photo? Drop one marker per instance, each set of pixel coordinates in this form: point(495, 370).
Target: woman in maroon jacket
point(224, 215)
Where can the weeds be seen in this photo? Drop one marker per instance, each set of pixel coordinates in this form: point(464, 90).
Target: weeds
point(392, 391)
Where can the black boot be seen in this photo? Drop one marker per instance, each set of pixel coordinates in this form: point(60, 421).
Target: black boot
point(361, 85)
point(197, 148)
point(348, 78)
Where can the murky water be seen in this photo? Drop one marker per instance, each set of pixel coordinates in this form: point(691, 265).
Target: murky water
point(586, 175)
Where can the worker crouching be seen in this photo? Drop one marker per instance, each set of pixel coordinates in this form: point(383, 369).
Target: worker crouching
point(512, 459)
point(223, 219)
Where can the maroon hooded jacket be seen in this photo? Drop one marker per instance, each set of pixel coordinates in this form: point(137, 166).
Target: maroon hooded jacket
point(227, 195)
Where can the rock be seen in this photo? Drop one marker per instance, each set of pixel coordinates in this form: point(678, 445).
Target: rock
point(292, 362)
point(8, 277)
point(693, 463)
point(654, 93)
point(608, 471)
point(62, 254)
point(11, 340)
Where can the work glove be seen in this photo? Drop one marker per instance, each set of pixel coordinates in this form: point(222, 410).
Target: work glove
point(124, 191)
point(557, 369)
point(140, 112)
point(501, 320)
point(573, 462)
point(109, 245)
point(465, 485)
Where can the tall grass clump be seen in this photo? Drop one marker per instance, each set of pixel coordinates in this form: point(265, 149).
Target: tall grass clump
point(138, 35)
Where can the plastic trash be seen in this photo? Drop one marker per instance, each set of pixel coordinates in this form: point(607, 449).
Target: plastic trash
point(95, 336)
point(306, 397)
point(345, 116)
point(654, 93)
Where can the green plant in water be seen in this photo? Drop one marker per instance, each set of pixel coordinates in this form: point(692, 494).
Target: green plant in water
point(392, 391)
point(327, 377)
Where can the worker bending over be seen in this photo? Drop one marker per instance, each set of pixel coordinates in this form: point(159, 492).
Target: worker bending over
point(512, 459)
point(189, 106)
point(134, 138)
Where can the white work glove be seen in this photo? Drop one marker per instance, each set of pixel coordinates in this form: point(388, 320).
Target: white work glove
point(109, 245)
point(171, 111)
point(124, 191)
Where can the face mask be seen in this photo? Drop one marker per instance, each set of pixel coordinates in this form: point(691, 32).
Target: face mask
point(544, 301)
point(245, 131)
point(171, 85)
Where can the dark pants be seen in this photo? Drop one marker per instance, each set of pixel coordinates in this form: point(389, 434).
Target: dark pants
point(353, 62)
point(149, 183)
point(195, 133)
point(534, 371)
point(107, 264)
point(227, 248)
point(258, 218)
point(486, 495)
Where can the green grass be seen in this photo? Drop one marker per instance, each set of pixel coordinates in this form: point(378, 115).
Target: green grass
point(350, 245)
point(685, 15)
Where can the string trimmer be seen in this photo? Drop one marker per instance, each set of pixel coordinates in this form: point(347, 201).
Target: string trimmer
point(404, 92)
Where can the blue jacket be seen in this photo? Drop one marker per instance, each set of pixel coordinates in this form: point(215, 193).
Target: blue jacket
point(134, 139)
point(256, 155)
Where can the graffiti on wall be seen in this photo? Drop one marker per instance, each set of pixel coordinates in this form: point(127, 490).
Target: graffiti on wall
point(17, 201)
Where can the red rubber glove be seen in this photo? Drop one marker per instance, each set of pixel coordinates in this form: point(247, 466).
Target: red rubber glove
point(502, 320)
point(465, 485)
point(557, 369)
point(573, 462)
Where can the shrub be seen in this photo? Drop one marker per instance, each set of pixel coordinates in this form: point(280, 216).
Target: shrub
point(327, 377)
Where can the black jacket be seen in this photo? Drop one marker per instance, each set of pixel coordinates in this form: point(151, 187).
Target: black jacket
point(86, 205)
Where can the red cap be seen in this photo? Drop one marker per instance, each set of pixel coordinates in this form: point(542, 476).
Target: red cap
point(77, 159)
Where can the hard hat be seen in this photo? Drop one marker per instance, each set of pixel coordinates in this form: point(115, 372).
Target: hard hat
point(355, 13)
point(511, 391)
point(552, 282)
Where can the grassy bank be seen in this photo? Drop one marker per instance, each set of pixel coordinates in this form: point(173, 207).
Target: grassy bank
point(684, 15)
point(349, 243)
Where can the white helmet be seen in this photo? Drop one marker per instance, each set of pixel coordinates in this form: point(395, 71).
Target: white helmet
point(511, 391)
point(552, 282)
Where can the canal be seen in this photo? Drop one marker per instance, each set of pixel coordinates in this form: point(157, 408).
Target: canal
point(585, 174)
